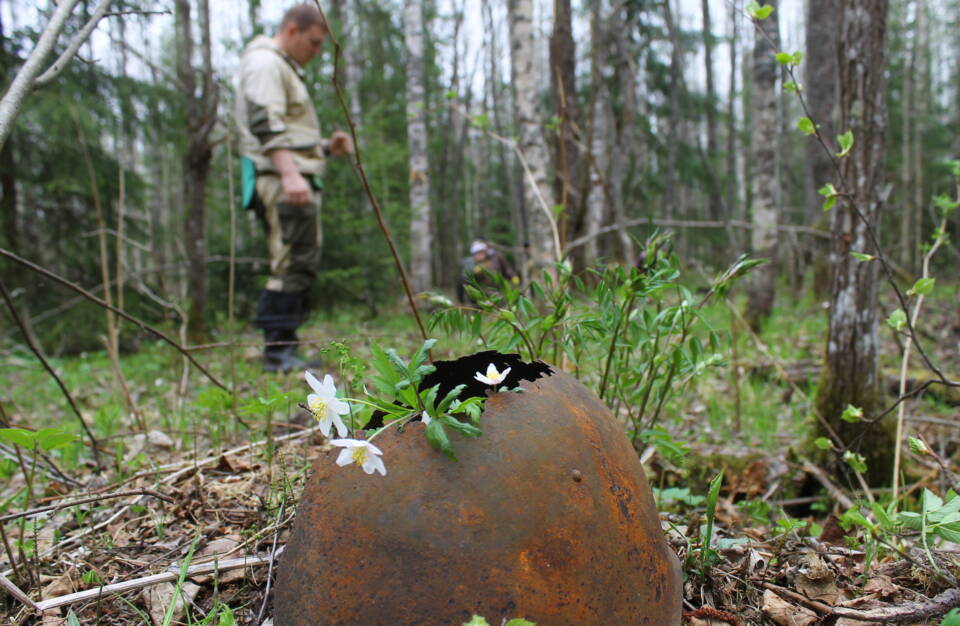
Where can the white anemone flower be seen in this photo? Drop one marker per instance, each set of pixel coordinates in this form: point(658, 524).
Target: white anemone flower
point(493, 377)
point(425, 418)
point(363, 453)
point(326, 406)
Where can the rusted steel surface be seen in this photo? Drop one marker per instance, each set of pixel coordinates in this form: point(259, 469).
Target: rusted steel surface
point(546, 516)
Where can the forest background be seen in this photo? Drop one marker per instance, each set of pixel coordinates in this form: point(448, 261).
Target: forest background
point(477, 119)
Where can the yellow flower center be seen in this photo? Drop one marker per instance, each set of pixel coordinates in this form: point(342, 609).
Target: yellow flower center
point(359, 455)
point(318, 407)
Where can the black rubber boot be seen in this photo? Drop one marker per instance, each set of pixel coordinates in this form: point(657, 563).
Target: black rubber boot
point(279, 314)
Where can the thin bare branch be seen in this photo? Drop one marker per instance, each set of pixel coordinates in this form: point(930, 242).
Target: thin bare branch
point(89, 296)
point(63, 60)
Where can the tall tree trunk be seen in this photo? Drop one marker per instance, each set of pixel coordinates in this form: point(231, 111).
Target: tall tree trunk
point(629, 141)
point(9, 228)
point(820, 88)
point(763, 181)
point(538, 195)
point(421, 237)
point(906, 152)
point(732, 152)
point(566, 158)
point(598, 132)
point(713, 204)
point(922, 102)
point(674, 132)
point(851, 368)
point(201, 115)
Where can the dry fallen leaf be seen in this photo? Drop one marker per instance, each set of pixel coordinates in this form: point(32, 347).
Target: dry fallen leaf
point(784, 613)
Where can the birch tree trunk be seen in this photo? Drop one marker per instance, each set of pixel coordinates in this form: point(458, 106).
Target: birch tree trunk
point(598, 161)
point(850, 375)
point(674, 132)
point(732, 152)
point(713, 203)
point(421, 240)
point(538, 195)
point(201, 115)
point(763, 180)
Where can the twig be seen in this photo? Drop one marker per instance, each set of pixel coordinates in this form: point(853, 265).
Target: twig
point(835, 492)
point(908, 612)
point(63, 388)
point(89, 296)
point(273, 553)
point(17, 593)
point(358, 166)
point(905, 362)
point(57, 67)
point(172, 573)
point(97, 498)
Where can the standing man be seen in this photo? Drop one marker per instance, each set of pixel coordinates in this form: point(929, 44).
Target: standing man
point(282, 148)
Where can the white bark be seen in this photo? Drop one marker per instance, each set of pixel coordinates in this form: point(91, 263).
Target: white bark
point(421, 237)
point(763, 155)
point(23, 82)
point(596, 202)
point(538, 195)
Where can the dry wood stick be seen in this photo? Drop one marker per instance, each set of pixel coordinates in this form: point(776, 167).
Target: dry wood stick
point(907, 612)
point(97, 498)
point(172, 573)
point(17, 593)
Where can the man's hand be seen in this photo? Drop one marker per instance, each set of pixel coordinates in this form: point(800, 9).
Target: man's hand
point(340, 144)
point(296, 189)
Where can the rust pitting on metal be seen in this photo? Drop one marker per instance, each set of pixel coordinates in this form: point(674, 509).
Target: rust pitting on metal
point(504, 531)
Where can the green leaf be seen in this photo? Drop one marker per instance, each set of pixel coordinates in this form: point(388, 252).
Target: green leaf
point(520, 622)
point(758, 12)
point(783, 58)
point(922, 287)
point(852, 414)
point(822, 442)
point(917, 446)
point(792, 87)
point(476, 620)
point(862, 257)
point(952, 618)
point(226, 616)
point(827, 190)
point(463, 428)
point(806, 126)
point(897, 319)
point(19, 436)
point(945, 202)
point(846, 143)
point(856, 461)
point(829, 202)
point(796, 58)
point(437, 437)
point(53, 438)
point(72, 619)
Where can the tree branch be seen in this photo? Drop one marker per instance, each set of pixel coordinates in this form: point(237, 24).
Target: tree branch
point(61, 63)
point(24, 81)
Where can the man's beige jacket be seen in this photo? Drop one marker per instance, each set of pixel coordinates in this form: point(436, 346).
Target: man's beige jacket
point(274, 109)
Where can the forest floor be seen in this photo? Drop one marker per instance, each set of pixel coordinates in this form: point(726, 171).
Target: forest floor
point(195, 488)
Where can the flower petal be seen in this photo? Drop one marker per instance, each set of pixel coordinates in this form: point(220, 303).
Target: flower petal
point(492, 371)
point(346, 457)
point(325, 424)
point(483, 379)
point(312, 381)
point(335, 419)
point(329, 389)
point(374, 463)
point(504, 373)
point(338, 406)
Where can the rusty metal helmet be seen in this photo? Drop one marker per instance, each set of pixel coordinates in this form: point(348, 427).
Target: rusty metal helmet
point(547, 516)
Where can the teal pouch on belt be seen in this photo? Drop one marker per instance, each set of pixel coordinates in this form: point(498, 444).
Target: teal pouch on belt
point(248, 181)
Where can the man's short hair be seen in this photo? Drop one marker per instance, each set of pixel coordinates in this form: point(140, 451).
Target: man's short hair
point(304, 16)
